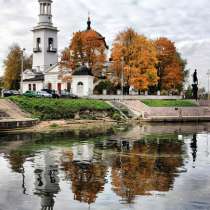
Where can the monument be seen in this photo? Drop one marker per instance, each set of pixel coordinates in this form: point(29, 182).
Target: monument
point(195, 85)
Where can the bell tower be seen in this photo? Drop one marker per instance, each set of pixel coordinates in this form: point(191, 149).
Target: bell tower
point(44, 39)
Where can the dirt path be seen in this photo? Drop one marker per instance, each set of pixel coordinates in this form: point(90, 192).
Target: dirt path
point(10, 111)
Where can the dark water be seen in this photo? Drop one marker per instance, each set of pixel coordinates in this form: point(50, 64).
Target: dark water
point(147, 167)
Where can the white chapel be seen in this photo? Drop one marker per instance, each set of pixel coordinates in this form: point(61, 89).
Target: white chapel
point(46, 72)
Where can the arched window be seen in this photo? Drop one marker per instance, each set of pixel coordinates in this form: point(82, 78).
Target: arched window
point(50, 44)
point(34, 87)
point(80, 84)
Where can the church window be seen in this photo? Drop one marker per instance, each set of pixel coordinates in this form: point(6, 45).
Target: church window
point(80, 84)
point(29, 87)
point(38, 43)
point(50, 44)
point(34, 87)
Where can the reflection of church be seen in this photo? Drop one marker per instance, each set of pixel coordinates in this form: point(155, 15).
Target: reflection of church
point(46, 181)
point(46, 72)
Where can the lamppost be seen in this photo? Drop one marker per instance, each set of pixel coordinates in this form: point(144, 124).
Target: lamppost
point(208, 74)
point(122, 76)
point(22, 66)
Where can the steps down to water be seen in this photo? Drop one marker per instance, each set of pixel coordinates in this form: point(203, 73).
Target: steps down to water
point(167, 114)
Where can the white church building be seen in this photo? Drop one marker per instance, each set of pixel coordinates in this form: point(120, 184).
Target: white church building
point(46, 72)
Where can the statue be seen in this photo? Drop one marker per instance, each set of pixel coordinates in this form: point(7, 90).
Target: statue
point(195, 85)
point(195, 77)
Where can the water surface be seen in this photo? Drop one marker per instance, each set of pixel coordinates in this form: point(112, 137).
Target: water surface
point(145, 167)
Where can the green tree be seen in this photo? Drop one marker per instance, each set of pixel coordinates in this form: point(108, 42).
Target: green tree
point(12, 65)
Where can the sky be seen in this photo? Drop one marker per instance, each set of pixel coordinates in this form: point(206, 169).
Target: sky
point(186, 22)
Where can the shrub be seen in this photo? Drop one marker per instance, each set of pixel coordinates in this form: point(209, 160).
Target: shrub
point(104, 85)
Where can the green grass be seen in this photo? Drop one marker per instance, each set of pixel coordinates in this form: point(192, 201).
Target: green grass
point(169, 103)
point(48, 109)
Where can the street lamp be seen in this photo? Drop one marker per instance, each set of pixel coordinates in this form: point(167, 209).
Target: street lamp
point(122, 75)
point(208, 74)
point(22, 66)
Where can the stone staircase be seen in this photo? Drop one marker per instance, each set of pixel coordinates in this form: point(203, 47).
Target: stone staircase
point(142, 111)
point(138, 108)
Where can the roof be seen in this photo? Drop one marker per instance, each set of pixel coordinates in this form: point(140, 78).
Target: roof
point(83, 71)
point(39, 77)
point(98, 35)
point(46, 1)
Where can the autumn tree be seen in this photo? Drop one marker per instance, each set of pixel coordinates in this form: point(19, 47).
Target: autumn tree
point(86, 47)
point(171, 67)
point(137, 56)
point(12, 65)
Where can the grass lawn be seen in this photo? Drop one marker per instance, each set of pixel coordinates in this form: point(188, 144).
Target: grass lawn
point(169, 103)
point(49, 109)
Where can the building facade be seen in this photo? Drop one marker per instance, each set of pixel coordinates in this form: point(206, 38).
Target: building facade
point(46, 72)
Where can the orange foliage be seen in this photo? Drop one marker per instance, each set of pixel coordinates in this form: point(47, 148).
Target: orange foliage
point(173, 75)
point(170, 64)
point(86, 47)
point(139, 57)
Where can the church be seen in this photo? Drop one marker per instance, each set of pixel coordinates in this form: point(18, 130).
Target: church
point(46, 72)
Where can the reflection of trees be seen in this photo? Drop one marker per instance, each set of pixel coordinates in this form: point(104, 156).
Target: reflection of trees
point(17, 160)
point(88, 178)
point(146, 168)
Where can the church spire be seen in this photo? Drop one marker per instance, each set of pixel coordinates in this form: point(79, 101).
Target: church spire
point(88, 22)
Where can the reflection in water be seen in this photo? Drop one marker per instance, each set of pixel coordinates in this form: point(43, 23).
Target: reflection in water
point(121, 170)
point(86, 174)
point(46, 181)
point(16, 160)
point(145, 168)
point(194, 147)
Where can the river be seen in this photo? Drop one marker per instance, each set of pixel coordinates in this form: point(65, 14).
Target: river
point(164, 167)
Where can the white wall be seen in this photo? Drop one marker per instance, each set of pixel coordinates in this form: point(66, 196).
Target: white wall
point(52, 77)
point(87, 85)
point(39, 86)
point(44, 59)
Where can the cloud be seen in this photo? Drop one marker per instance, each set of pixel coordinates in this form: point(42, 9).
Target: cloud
point(184, 21)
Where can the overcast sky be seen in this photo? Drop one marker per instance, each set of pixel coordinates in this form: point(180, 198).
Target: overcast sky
point(187, 22)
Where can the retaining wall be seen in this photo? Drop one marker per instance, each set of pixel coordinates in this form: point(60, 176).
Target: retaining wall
point(130, 97)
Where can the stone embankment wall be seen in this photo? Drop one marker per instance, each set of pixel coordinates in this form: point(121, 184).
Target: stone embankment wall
point(130, 97)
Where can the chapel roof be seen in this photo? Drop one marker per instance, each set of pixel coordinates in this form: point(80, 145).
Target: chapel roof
point(83, 71)
point(39, 77)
